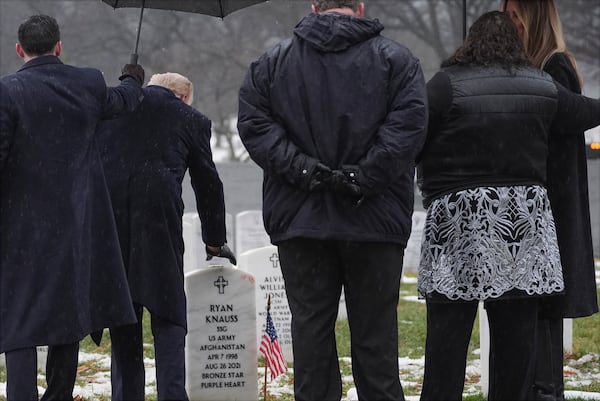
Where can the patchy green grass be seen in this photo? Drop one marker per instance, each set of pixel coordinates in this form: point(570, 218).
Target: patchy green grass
point(582, 370)
point(586, 332)
point(87, 345)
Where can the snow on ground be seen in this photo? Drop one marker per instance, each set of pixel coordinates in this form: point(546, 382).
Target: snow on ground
point(411, 371)
point(98, 384)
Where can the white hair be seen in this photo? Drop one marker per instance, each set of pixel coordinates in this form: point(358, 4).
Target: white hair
point(177, 83)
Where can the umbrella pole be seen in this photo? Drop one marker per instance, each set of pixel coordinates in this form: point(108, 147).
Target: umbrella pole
point(464, 19)
point(134, 56)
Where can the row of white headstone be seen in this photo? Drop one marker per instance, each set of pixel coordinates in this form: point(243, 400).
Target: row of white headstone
point(260, 259)
point(227, 308)
point(249, 234)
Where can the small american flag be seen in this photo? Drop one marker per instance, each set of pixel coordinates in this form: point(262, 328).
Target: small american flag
point(269, 346)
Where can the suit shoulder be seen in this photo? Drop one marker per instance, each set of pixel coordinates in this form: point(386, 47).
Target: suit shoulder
point(202, 119)
point(10, 80)
point(5, 79)
point(87, 71)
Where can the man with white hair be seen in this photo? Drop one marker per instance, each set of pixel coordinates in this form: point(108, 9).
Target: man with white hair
point(146, 155)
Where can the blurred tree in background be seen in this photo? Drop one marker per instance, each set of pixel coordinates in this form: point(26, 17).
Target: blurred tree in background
point(215, 53)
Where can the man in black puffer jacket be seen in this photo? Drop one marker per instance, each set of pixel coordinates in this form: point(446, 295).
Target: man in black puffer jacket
point(335, 116)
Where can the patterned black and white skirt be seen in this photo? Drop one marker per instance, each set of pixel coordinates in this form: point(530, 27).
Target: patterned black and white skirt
point(490, 242)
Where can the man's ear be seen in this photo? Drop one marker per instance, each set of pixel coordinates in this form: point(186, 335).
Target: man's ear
point(314, 8)
point(361, 10)
point(20, 51)
point(57, 48)
point(185, 99)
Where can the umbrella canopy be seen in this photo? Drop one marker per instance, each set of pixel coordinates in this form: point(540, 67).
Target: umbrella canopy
point(215, 8)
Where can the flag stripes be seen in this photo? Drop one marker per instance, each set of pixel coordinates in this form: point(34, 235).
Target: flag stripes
point(269, 346)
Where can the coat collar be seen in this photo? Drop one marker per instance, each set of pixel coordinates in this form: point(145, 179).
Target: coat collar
point(160, 89)
point(40, 60)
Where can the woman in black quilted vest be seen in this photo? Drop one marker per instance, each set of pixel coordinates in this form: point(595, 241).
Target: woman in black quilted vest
point(489, 234)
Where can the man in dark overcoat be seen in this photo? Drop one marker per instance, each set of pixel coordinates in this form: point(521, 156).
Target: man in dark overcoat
point(146, 155)
point(61, 273)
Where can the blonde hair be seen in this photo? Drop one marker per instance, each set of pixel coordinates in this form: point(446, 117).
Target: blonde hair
point(542, 32)
point(177, 83)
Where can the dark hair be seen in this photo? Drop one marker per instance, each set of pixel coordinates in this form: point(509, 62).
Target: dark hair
point(493, 39)
point(38, 35)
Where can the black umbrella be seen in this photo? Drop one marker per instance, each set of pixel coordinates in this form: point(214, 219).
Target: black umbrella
point(216, 8)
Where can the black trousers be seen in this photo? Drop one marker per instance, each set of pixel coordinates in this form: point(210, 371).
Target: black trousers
point(61, 372)
point(127, 360)
point(549, 381)
point(314, 272)
point(512, 348)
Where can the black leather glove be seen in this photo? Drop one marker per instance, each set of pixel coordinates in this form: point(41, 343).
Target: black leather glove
point(344, 182)
point(319, 178)
point(224, 252)
point(134, 71)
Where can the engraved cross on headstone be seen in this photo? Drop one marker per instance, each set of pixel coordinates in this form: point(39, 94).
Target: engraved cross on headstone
point(275, 260)
point(221, 283)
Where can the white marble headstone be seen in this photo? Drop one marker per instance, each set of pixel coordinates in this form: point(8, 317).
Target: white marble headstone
point(194, 255)
point(250, 231)
point(221, 346)
point(191, 245)
point(263, 264)
point(412, 254)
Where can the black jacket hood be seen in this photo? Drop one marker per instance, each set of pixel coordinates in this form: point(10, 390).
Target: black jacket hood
point(333, 32)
